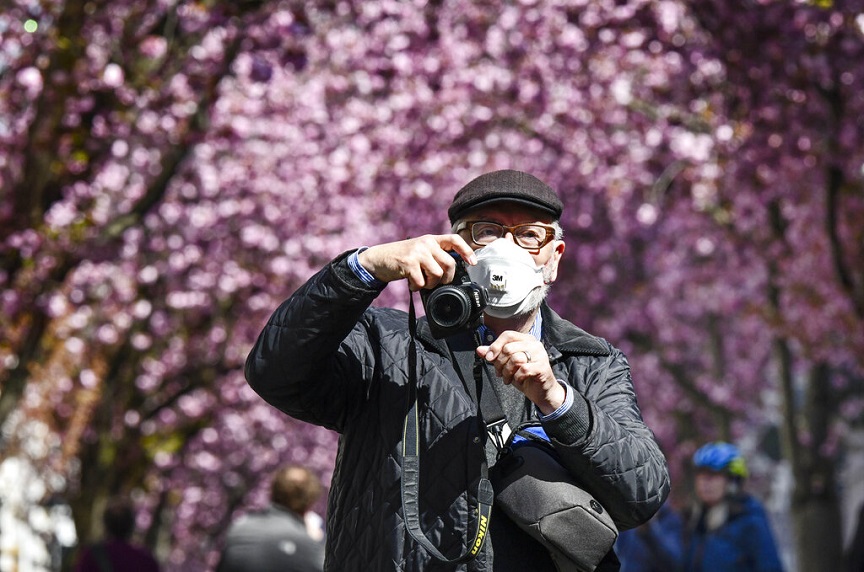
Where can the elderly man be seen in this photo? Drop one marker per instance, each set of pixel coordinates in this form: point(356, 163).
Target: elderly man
point(326, 356)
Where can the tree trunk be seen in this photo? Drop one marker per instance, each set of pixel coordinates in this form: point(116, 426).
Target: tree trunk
point(815, 510)
point(818, 538)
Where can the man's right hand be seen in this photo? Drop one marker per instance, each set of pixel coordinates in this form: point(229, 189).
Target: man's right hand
point(424, 261)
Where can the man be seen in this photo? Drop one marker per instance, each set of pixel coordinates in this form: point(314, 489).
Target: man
point(276, 539)
point(116, 552)
point(327, 357)
point(727, 529)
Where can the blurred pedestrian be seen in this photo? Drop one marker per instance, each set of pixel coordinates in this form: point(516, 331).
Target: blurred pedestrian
point(727, 529)
point(277, 539)
point(116, 553)
point(654, 546)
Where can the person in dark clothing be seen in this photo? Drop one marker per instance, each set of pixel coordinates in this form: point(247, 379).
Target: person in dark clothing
point(855, 552)
point(654, 546)
point(276, 539)
point(727, 529)
point(116, 553)
point(327, 356)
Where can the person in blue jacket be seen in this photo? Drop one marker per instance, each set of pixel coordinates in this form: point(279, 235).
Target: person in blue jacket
point(727, 529)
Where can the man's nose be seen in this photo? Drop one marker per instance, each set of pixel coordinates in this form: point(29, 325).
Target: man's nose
point(508, 234)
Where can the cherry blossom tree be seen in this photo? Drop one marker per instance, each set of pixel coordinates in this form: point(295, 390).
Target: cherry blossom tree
point(779, 85)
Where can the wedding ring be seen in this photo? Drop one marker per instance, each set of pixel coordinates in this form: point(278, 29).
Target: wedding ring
point(527, 356)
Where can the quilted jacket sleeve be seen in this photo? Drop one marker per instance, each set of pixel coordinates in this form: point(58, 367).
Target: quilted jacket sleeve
point(306, 361)
point(617, 458)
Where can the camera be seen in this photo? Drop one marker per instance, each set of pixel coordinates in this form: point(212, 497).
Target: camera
point(454, 307)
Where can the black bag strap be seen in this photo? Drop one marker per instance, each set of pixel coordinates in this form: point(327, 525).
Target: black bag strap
point(485, 395)
point(470, 366)
point(411, 468)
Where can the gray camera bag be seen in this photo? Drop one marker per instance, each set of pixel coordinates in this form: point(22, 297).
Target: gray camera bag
point(540, 496)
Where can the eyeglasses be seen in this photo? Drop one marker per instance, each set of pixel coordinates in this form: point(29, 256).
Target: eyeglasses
point(528, 236)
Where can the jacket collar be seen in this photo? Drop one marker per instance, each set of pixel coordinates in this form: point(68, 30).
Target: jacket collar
point(567, 338)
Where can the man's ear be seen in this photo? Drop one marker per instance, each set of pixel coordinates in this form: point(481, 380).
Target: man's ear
point(551, 272)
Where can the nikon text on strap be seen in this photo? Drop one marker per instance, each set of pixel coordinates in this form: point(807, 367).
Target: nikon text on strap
point(411, 469)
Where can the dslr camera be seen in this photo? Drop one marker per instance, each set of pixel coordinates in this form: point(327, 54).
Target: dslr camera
point(454, 307)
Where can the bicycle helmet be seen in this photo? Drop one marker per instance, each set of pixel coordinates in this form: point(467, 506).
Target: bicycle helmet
point(721, 457)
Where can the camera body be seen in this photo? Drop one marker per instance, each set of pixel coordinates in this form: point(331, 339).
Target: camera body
point(454, 307)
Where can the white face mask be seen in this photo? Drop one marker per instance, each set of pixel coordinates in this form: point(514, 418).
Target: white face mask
point(514, 283)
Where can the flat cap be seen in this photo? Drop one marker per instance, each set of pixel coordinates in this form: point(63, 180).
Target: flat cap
point(505, 186)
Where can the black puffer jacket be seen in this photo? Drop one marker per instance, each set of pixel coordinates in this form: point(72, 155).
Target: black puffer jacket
point(328, 358)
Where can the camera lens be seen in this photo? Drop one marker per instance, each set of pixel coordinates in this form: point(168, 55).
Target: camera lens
point(448, 307)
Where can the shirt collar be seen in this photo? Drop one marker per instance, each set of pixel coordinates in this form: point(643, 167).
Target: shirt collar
point(488, 336)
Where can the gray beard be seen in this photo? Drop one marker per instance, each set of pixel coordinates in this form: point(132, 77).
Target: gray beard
point(535, 298)
point(526, 307)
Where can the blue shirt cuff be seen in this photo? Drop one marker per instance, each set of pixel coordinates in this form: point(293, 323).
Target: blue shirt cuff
point(565, 407)
point(362, 273)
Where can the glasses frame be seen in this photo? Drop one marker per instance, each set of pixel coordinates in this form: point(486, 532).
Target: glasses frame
point(550, 232)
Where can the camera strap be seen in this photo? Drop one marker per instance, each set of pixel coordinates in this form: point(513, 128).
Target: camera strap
point(470, 366)
point(411, 468)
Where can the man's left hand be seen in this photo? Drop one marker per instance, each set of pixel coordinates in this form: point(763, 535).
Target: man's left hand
point(522, 361)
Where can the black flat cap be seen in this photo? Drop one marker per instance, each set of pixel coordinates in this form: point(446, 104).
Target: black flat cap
point(505, 186)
